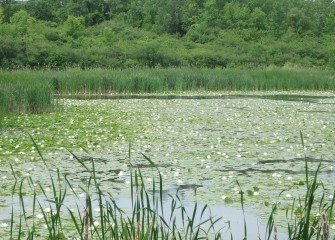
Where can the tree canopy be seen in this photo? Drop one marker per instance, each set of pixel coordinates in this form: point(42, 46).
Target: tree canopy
point(201, 33)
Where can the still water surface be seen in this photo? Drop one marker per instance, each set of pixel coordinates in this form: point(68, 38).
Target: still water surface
point(202, 146)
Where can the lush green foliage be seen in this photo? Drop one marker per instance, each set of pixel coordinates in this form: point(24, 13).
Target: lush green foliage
point(201, 33)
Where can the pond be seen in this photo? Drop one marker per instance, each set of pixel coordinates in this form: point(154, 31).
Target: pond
point(202, 145)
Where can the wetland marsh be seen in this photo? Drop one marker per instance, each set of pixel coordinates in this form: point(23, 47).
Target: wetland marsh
point(201, 144)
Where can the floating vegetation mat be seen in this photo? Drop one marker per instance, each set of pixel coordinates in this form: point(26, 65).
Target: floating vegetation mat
point(200, 146)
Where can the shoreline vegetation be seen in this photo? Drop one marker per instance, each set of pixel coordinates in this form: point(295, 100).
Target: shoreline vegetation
point(34, 91)
point(99, 216)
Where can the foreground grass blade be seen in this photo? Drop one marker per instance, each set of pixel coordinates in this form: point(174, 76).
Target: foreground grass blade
point(242, 204)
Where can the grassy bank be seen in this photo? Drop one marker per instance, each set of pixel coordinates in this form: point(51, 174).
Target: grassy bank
point(29, 91)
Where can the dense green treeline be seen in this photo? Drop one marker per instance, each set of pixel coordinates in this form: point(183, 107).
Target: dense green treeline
point(200, 33)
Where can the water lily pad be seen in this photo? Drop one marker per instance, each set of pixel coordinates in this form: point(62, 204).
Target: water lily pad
point(256, 189)
point(250, 193)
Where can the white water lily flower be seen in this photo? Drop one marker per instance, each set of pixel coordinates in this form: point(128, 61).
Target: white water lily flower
point(82, 195)
point(276, 175)
point(120, 173)
point(96, 223)
point(3, 225)
point(223, 197)
point(47, 210)
point(39, 216)
point(256, 193)
point(288, 195)
point(333, 226)
point(331, 196)
point(47, 189)
point(289, 178)
point(224, 178)
point(180, 182)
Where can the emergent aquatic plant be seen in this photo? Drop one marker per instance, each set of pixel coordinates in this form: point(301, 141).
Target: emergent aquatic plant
point(148, 218)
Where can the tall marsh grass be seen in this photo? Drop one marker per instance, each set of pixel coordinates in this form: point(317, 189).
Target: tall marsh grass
point(31, 91)
point(21, 92)
point(100, 216)
point(101, 81)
